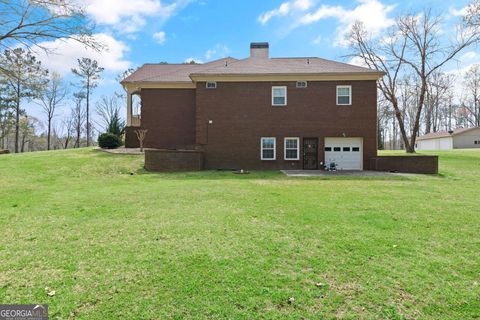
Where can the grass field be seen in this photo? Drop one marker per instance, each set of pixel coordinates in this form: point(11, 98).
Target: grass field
point(115, 242)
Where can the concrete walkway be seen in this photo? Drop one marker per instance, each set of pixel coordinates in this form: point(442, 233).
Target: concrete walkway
point(340, 173)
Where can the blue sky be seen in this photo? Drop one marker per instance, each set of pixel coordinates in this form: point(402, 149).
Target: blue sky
point(142, 31)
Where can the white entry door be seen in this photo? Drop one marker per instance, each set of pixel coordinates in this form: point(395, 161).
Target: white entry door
point(346, 153)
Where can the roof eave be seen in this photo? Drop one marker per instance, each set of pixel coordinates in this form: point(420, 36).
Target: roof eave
point(374, 75)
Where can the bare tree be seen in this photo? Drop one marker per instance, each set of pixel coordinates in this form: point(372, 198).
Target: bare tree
point(29, 23)
point(414, 44)
point(25, 80)
point(78, 117)
point(69, 125)
point(27, 130)
point(141, 134)
point(437, 101)
point(109, 111)
point(89, 73)
point(471, 100)
point(50, 99)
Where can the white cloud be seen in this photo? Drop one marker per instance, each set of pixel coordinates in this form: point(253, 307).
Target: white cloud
point(160, 37)
point(129, 16)
point(286, 8)
point(188, 60)
point(357, 61)
point(219, 51)
point(372, 13)
point(67, 51)
point(469, 56)
point(317, 40)
point(459, 12)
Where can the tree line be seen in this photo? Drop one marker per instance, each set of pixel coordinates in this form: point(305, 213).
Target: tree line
point(417, 95)
point(24, 26)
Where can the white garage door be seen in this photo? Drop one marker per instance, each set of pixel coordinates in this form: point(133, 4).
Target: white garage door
point(346, 153)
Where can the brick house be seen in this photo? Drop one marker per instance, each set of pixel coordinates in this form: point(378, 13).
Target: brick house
point(259, 112)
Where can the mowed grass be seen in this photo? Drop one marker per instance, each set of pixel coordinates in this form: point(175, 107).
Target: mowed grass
point(116, 242)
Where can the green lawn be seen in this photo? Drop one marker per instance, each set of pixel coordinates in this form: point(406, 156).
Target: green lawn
point(116, 242)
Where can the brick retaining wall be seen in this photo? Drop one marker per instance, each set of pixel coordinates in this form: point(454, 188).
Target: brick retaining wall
point(131, 140)
point(173, 160)
point(406, 164)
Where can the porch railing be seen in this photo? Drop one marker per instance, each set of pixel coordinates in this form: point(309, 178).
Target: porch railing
point(136, 120)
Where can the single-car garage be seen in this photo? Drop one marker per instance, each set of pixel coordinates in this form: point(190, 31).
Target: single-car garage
point(346, 153)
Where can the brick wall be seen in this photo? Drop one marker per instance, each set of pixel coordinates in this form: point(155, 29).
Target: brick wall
point(131, 140)
point(241, 113)
point(407, 164)
point(173, 160)
point(169, 116)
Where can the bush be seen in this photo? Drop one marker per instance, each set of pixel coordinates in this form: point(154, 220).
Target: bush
point(109, 141)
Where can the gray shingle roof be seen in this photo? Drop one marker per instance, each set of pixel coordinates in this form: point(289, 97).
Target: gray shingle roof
point(305, 65)
point(249, 66)
point(171, 72)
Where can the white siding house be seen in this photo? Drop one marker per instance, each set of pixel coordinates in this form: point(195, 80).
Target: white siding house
point(443, 140)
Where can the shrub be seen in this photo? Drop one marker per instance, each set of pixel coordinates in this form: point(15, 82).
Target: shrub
point(109, 141)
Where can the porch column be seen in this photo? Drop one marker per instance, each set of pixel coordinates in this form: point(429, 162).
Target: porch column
point(129, 109)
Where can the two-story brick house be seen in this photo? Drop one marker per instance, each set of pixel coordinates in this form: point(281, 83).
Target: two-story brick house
point(259, 112)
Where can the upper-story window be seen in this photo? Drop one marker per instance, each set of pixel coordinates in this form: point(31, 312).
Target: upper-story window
point(268, 148)
point(211, 85)
point(302, 84)
point(344, 95)
point(279, 96)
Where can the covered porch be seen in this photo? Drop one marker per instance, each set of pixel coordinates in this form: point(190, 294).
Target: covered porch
point(134, 116)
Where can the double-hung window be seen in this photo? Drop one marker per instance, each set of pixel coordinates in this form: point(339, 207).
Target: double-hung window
point(279, 96)
point(268, 148)
point(344, 95)
point(292, 150)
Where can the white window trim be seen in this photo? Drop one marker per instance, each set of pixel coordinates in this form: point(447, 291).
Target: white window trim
point(350, 96)
point(285, 148)
point(279, 87)
point(306, 84)
point(274, 149)
point(214, 82)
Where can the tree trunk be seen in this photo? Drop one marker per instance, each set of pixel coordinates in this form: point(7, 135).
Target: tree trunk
point(416, 125)
point(88, 111)
point(17, 118)
point(49, 132)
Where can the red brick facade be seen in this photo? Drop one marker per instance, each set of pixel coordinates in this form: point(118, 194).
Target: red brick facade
point(169, 117)
point(241, 113)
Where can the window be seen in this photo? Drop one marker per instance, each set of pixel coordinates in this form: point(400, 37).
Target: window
point(337, 149)
point(268, 146)
point(292, 150)
point(344, 95)
point(302, 84)
point(356, 149)
point(279, 96)
point(346, 149)
point(328, 148)
point(211, 85)
point(476, 141)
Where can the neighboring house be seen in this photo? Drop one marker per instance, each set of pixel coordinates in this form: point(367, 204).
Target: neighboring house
point(259, 112)
point(443, 140)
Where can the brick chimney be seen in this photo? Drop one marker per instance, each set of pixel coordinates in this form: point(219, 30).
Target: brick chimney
point(259, 50)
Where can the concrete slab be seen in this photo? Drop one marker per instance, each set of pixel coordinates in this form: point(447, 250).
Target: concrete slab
point(339, 173)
